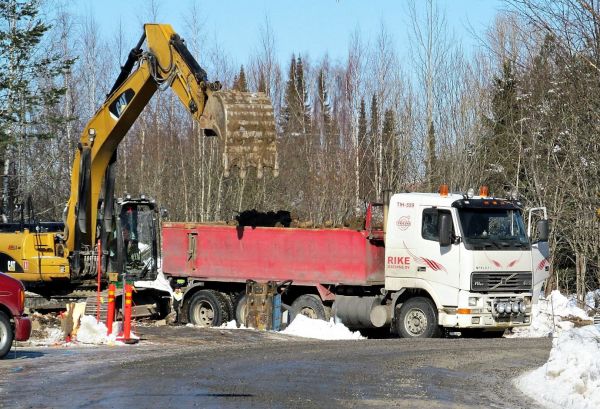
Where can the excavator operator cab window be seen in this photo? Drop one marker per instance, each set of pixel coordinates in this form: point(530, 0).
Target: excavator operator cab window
point(138, 233)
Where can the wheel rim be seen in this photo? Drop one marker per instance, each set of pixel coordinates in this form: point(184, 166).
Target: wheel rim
point(309, 312)
point(3, 335)
point(415, 322)
point(204, 313)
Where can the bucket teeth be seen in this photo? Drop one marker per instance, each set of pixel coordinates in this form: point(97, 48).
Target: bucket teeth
point(246, 124)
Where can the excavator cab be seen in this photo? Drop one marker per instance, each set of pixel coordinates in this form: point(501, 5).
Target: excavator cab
point(132, 245)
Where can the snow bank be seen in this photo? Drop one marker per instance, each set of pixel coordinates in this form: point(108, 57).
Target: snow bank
point(551, 316)
point(571, 377)
point(309, 328)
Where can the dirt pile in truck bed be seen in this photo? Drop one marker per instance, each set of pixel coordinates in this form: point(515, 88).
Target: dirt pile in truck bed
point(284, 218)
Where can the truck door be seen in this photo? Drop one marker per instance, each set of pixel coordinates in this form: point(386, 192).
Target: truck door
point(540, 251)
point(438, 265)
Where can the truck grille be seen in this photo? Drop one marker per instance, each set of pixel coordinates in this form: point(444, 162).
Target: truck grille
point(496, 282)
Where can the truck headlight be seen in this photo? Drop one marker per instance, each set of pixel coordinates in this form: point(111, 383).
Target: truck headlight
point(473, 301)
point(522, 307)
point(515, 307)
point(501, 307)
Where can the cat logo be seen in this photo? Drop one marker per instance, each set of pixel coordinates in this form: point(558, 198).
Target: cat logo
point(12, 265)
point(118, 106)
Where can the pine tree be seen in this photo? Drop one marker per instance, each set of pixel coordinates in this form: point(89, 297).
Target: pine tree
point(28, 74)
point(27, 89)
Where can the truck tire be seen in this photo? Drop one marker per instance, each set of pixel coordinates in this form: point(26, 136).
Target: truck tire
point(230, 306)
point(240, 310)
point(418, 319)
point(309, 305)
point(6, 335)
point(208, 308)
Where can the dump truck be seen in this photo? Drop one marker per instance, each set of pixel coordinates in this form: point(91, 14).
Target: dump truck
point(421, 264)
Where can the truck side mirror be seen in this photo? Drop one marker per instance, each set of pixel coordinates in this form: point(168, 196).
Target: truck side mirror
point(445, 229)
point(543, 230)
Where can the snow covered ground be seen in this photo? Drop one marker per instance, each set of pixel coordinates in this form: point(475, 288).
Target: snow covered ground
point(553, 315)
point(571, 377)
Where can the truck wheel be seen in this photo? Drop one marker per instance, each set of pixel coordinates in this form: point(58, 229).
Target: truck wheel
point(230, 306)
point(418, 319)
point(208, 308)
point(310, 306)
point(240, 310)
point(6, 335)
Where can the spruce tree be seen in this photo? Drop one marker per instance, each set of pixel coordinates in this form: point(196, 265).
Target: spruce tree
point(289, 115)
point(363, 151)
point(501, 144)
point(262, 83)
point(431, 166)
point(242, 85)
point(302, 94)
point(374, 140)
point(390, 150)
point(325, 109)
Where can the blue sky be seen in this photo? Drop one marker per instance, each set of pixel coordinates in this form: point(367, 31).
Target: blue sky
point(302, 26)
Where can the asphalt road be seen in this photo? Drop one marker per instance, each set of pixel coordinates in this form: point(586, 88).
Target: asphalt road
point(183, 367)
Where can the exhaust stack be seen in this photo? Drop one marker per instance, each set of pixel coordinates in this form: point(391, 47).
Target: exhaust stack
point(387, 195)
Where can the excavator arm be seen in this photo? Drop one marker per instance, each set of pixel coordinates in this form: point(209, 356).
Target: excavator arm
point(243, 121)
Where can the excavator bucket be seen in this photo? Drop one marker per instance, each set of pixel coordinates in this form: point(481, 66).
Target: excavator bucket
point(246, 124)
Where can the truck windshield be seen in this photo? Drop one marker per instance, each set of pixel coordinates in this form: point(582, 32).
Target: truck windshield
point(487, 229)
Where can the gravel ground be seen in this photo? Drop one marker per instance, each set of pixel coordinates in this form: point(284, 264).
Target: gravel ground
point(212, 368)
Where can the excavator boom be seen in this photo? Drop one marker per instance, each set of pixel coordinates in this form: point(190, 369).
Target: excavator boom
point(243, 122)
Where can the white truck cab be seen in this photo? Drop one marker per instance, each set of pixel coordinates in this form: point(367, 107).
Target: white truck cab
point(468, 257)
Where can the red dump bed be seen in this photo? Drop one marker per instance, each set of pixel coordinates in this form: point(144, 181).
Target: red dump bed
point(306, 256)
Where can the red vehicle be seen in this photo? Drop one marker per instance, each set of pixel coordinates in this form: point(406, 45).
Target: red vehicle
point(213, 263)
point(13, 324)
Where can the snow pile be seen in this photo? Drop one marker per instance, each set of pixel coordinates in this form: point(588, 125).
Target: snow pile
point(92, 332)
point(51, 336)
point(232, 325)
point(571, 377)
point(552, 316)
point(305, 327)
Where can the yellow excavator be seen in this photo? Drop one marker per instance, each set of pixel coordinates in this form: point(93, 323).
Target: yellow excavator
point(51, 259)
